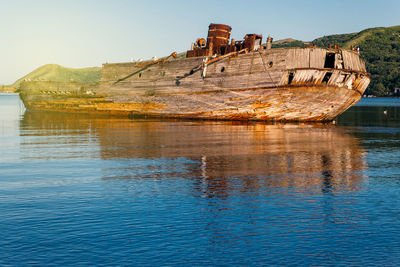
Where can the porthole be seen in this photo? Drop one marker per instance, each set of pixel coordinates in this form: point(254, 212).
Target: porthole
point(140, 75)
point(222, 69)
point(270, 64)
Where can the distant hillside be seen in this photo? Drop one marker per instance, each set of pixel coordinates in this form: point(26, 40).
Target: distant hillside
point(57, 73)
point(353, 39)
point(289, 42)
point(7, 89)
point(380, 48)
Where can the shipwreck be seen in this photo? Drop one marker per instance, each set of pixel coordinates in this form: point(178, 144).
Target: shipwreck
point(218, 78)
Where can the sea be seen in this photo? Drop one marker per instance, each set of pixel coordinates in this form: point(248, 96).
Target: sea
point(85, 190)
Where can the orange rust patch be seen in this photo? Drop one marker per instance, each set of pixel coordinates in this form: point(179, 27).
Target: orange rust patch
point(137, 107)
point(292, 103)
point(257, 104)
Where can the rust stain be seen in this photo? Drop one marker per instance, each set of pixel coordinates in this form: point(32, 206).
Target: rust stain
point(138, 107)
point(278, 105)
point(297, 85)
point(257, 105)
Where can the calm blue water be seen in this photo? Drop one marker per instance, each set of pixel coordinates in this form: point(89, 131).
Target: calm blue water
point(84, 190)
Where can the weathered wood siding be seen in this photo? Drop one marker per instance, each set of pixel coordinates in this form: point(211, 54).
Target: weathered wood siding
point(268, 68)
point(253, 70)
point(298, 58)
point(352, 61)
point(317, 57)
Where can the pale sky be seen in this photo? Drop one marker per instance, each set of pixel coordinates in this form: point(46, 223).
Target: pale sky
point(85, 33)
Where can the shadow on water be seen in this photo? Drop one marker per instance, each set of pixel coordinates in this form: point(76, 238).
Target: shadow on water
point(219, 158)
point(373, 112)
point(377, 123)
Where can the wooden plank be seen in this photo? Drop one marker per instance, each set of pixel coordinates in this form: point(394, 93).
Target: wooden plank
point(317, 57)
point(347, 59)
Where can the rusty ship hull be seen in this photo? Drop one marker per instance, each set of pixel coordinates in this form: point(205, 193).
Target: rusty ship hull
point(248, 83)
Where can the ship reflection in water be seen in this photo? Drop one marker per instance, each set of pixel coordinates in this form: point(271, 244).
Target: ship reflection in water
point(219, 158)
point(91, 190)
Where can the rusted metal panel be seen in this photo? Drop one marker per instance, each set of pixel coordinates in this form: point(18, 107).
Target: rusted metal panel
point(218, 35)
point(218, 43)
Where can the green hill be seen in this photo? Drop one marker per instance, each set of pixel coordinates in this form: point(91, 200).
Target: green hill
point(355, 39)
point(289, 42)
point(57, 73)
point(380, 48)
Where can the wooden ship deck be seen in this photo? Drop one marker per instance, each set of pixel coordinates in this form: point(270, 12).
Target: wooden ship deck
point(219, 79)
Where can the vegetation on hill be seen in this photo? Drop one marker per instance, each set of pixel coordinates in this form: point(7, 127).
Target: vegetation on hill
point(380, 48)
point(57, 73)
point(381, 51)
point(289, 43)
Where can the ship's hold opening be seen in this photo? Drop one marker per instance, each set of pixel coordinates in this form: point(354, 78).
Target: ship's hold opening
point(270, 64)
point(330, 60)
point(290, 77)
point(327, 77)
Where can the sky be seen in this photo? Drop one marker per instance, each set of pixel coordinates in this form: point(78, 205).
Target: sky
point(86, 33)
